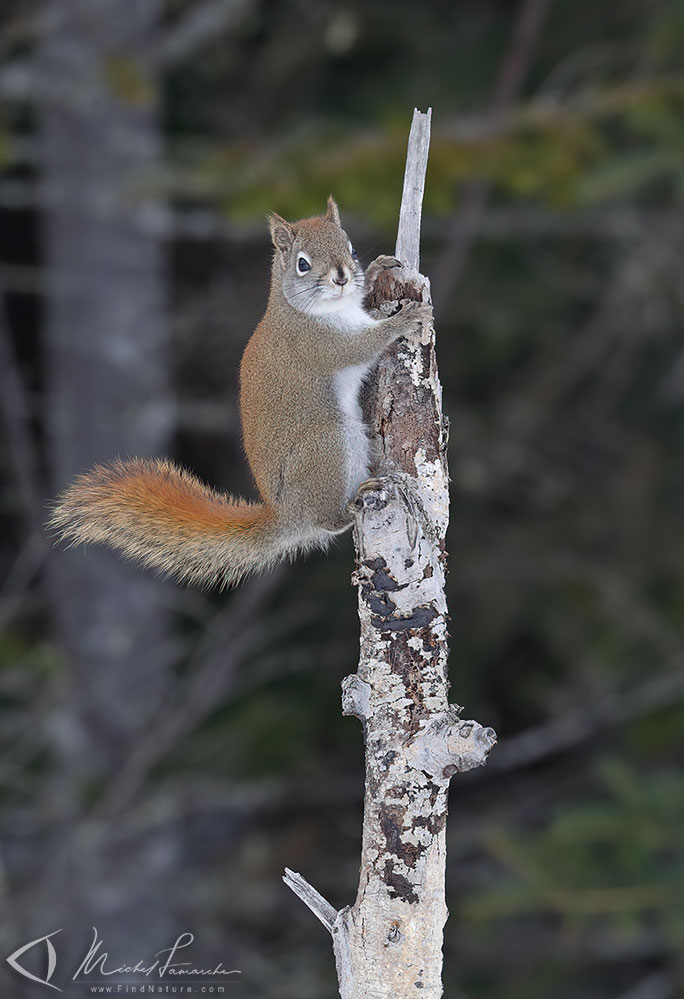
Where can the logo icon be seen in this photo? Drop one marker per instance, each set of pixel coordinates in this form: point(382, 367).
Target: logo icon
point(13, 960)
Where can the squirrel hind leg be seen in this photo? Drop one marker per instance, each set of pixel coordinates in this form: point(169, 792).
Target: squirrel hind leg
point(316, 483)
point(334, 520)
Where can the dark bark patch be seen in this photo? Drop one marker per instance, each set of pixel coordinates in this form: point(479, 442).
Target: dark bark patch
point(434, 823)
point(430, 641)
point(375, 591)
point(375, 563)
point(403, 664)
point(383, 580)
point(435, 790)
point(392, 824)
point(421, 617)
point(398, 885)
point(379, 603)
point(426, 359)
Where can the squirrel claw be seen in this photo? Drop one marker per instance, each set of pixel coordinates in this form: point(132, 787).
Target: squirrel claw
point(369, 486)
point(376, 485)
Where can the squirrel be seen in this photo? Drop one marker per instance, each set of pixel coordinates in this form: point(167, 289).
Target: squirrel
point(304, 435)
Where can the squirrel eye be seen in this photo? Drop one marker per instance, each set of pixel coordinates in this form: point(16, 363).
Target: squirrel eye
point(353, 252)
point(303, 265)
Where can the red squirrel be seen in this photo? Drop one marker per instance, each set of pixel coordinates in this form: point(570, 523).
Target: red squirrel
point(303, 431)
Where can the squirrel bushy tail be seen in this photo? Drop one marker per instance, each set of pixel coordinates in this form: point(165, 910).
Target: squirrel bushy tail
point(158, 514)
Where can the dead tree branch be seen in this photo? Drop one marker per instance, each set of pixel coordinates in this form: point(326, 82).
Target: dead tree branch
point(388, 944)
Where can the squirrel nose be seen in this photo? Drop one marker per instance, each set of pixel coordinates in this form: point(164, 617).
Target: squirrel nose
point(341, 278)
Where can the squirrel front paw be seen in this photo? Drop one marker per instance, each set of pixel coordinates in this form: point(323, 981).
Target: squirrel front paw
point(413, 314)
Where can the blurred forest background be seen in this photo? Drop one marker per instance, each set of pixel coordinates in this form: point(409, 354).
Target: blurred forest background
point(166, 752)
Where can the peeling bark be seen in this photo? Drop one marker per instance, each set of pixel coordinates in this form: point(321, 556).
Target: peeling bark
point(388, 944)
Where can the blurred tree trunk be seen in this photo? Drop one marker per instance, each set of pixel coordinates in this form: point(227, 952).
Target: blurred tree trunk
point(107, 353)
point(107, 388)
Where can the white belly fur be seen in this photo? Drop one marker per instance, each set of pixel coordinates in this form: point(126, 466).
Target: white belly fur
point(347, 383)
point(347, 386)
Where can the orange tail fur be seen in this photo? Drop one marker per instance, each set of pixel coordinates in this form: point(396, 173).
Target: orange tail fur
point(163, 517)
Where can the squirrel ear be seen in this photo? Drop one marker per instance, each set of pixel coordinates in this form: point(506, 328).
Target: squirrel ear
point(282, 232)
point(333, 212)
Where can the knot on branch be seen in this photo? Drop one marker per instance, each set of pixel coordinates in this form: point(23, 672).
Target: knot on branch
point(356, 697)
point(395, 497)
point(389, 282)
point(448, 744)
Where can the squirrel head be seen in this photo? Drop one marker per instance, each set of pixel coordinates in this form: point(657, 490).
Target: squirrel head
point(316, 263)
